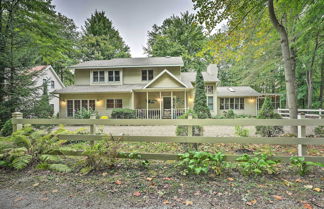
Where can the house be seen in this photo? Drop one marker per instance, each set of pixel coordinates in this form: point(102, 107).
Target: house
point(46, 73)
point(154, 86)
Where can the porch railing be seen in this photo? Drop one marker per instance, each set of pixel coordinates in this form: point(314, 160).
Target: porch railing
point(159, 114)
point(309, 113)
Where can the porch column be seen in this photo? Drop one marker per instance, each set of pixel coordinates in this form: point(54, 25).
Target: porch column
point(147, 111)
point(171, 104)
point(160, 105)
point(185, 100)
point(133, 101)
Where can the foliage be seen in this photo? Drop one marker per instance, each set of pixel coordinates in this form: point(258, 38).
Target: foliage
point(200, 103)
point(267, 112)
point(319, 131)
point(242, 132)
point(43, 109)
point(256, 165)
point(100, 40)
point(123, 113)
point(229, 114)
point(84, 113)
point(303, 167)
point(6, 129)
point(178, 36)
point(201, 162)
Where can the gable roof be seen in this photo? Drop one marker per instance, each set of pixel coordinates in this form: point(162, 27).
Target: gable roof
point(228, 91)
point(165, 71)
point(98, 88)
point(189, 77)
point(131, 62)
point(40, 68)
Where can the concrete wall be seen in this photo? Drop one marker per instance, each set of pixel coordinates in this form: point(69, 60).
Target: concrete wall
point(250, 107)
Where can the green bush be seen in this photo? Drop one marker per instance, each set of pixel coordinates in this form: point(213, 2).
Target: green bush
point(229, 114)
point(123, 113)
point(303, 167)
point(83, 113)
point(319, 131)
point(267, 112)
point(6, 129)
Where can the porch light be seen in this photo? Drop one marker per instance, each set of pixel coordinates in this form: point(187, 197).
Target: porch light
point(190, 99)
point(159, 99)
point(63, 103)
point(251, 99)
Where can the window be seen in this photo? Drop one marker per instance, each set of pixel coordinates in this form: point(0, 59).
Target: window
point(210, 102)
point(209, 89)
point(73, 106)
point(231, 103)
point(98, 76)
point(114, 103)
point(44, 81)
point(52, 84)
point(113, 75)
point(147, 75)
point(52, 107)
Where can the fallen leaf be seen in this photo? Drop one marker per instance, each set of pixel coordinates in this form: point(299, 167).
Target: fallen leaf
point(165, 202)
point(308, 186)
point(18, 199)
point(289, 193)
point(299, 180)
point(44, 198)
point(167, 178)
point(252, 202)
point(54, 190)
point(287, 183)
point(35, 185)
point(137, 194)
point(149, 179)
point(308, 206)
point(277, 197)
point(197, 193)
point(230, 179)
point(104, 174)
point(317, 189)
point(118, 182)
point(188, 202)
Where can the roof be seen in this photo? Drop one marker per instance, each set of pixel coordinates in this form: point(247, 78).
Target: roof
point(162, 73)
point(99, 88)
point(39, 68)
point(228, 91)
point(189, 77)
point(131, 62)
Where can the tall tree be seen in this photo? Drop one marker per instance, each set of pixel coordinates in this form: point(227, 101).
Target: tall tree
point(101, 40)
point(178, 36)
point(200, 103)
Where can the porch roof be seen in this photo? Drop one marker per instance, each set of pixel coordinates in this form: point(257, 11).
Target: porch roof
point(99, 88)
point(228, 91)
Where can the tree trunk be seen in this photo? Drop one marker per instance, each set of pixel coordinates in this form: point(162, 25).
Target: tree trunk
point(321, 99)
point(289, 64)
point(309, 74)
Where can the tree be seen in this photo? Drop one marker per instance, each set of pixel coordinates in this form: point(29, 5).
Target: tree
point(200, 103)
point(43, 109)
point(178, 36)
point(100, 40)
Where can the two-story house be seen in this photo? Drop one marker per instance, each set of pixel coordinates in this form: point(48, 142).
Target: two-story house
point(154, 86)
point(46, 74)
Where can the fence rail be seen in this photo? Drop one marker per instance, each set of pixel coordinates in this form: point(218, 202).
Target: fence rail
point(301, 141)
point(309, 113)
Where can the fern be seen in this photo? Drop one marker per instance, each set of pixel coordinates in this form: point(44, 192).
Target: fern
point(60, 168)
point(21, 162)
point(50, 158)
point(43, 166)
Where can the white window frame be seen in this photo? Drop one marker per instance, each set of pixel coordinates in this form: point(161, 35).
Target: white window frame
point(228, 103)
point(98, 71)
point(206, 89)
point(211, 103)
point(114, 75)
point(147, 75)
point(73, 105)
point(114, 103)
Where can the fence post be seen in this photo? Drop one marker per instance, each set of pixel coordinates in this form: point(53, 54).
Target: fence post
point(302, 149)
point(93, 127)
point(17, 115)
point(320, 114)
point(190, 127)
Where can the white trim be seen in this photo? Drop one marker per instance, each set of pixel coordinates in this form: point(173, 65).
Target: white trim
point(124, 66)
point(55, 75)
point(168, 72)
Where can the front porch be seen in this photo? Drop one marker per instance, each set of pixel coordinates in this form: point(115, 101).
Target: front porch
point(157, 104)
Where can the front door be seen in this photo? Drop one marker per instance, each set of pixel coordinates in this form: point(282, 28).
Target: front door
point(166, 107)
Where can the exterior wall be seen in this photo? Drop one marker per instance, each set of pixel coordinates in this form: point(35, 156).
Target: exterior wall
point(165, 81)
point(100, 102)
point(49, 76)
point(250, 107)
point(215, 109)
point(82, 77)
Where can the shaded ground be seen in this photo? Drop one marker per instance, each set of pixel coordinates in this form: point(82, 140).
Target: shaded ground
point(130, 185)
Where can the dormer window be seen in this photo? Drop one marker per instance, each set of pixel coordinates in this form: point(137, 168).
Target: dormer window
point(147, 75)
point(113, 75)
point(98, 76)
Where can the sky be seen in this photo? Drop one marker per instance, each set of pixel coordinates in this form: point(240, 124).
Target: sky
point(132, 18)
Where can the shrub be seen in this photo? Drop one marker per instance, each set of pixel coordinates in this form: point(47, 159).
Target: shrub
point(319, 131)
point(200, 103)
point(229, 114)
point(267, 112)
point(201, 162)
point(6, 129)
point(303, 167)
point(123, 113)
point(257, 165)
point(83, 113)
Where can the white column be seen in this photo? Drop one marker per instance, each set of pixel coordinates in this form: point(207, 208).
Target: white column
point(147, 105)
point(185, 99)
point(171, 104)
point(301, 148)
point(160, 105)
point(133, 100)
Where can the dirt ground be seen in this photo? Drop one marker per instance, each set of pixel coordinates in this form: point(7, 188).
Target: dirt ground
point(130, 185)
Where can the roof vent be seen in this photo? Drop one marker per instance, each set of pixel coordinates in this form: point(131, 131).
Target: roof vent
point(231, 89)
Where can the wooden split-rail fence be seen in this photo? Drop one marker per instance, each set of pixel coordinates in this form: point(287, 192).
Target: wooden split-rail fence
point(301, 141)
